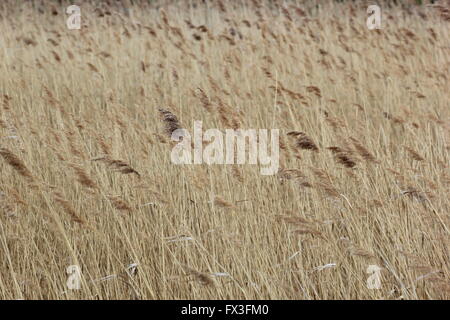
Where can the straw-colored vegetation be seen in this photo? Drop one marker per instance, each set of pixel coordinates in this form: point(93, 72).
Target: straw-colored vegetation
point(86, 176)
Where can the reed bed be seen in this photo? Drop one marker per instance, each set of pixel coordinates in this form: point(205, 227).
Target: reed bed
point(86, 177)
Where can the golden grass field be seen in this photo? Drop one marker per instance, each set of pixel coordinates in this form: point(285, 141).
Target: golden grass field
point(87, 179)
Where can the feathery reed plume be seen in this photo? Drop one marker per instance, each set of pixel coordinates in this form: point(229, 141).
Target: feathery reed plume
point(363, 151)
point(294, 220)
point(83, 177)
point(56, 56)
point(414, 154)
point(106, 148)
point(416, 194)
point(314, 90)
point(59, 198)
point(328, 189)
point(443, 7)
point(343, 157)
point(204, 278)
point(220, 202)
point(93, 68)
point(118, 165)
point(355, 251)
point(294, 174)
point(302, 141)
point(16, 163)
point(203, 97)
point(73, 145)
point(170, 120)
point(119, 203)
point(228, 117)
point(16, 196)
point(321, 174)
point(335, 123)
point(29, 41)
point(395, 119)
point(308, 230)
point(164, 17)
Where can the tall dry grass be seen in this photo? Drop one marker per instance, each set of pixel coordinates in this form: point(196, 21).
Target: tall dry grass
point(86, 177)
